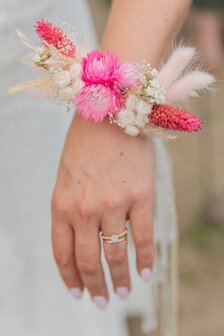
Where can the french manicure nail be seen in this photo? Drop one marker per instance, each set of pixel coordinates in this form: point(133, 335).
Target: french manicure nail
point(146, 274)
point(100, 301)
point(76, 293)
point(122, 293)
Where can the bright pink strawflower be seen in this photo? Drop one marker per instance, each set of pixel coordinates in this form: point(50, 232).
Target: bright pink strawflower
point(99, 68)
point(105, 68)
point(104, 79)
point(94, 102)
point(173, 118)
point(56, 37)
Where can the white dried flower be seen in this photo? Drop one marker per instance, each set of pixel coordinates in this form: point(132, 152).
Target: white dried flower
point(131, 130)
point(41, 55)
point(155, 94)
point(41, 50)
point(143, 107)
point(36, 58)
point(154, 83)
point(154, 72)
point(131, 102)
point(62, 78)
point(75, 70)
point(77, 85)
point(135, 116)
point(66, 93)
point(53, 68)
point(141, 120)
point(126, 117)
point(150, 91)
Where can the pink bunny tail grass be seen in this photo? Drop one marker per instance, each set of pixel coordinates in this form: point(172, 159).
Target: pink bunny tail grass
point(176, 64)
point(55, 36)
point(173, 118)
point(188, 85)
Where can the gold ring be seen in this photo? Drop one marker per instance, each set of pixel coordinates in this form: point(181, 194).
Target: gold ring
point(114, 239)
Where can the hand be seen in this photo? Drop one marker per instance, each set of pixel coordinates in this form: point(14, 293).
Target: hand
point(104, 178)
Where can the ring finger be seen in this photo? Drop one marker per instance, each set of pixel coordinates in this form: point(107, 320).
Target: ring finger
point(116, 254)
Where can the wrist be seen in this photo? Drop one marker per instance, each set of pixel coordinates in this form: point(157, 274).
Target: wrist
point(103, 134)
point(103, 127)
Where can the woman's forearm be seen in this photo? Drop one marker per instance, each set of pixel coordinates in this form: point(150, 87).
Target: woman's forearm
point(140, 30)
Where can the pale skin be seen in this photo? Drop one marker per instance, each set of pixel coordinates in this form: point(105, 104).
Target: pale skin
point(105, 176)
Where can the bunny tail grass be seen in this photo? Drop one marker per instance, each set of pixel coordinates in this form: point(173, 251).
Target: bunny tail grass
point(188, 85)
point(175, 65)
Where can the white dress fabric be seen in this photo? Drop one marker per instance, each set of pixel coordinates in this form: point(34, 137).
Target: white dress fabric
point(33, 299)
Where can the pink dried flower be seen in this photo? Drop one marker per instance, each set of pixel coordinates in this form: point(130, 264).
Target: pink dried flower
point(94, 102)
point(173, 118)
point(100, 68)
point(56, 37)
point(128, 75)
point(104, 78)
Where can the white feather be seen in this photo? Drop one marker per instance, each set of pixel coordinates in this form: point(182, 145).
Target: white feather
point(25, 40)
point(188, 85)
point(175, 65)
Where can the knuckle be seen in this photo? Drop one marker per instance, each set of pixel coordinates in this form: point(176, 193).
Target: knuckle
point(143, 239)
point(112, 202)
point(59, 207)
point(85, 209)
point(143, 193)
point(116, 259)
point(63, 259)
point(87, 267)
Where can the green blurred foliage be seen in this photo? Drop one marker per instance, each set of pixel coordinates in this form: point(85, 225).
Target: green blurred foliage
point(209, 4)
point(108, 2)
point(205, 235)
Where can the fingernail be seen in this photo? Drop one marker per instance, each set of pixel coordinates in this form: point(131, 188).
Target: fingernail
point(76, 293)
point(146, 274)
point(122, 293)
point(100, 301)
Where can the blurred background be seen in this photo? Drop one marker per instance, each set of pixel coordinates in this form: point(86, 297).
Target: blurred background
point(198, 164)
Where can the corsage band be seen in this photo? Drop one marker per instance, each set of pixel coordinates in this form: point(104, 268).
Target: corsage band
point(136, 97)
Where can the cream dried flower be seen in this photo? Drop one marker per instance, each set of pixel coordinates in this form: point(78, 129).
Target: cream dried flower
point(41, 55)
point(141, 120)
point(36, 58)
point(131, 102)
point(66, 94)
point(143, 107)
point(131, 130)
point(152, 91)
point(126, 117)
point(135, 114)
point(75, 70)
point(77, 85)
point(62, 78)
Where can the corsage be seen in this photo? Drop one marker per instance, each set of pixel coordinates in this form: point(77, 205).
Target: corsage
point(136, 97)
